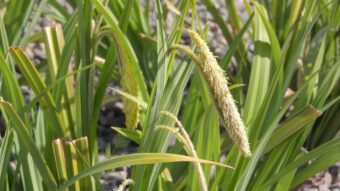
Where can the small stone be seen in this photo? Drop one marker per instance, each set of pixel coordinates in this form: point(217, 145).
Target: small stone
point(103, 182)
point(25, 90)
point(28, 51)
point(102, 157)
point(310, 189)
point(323, 187)
point(119, 106)
point(102, 175)
point(172, 140)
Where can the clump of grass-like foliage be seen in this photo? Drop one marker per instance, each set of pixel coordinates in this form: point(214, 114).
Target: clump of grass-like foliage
point(286, 92)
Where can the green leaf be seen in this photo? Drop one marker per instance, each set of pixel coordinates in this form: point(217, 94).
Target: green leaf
point(242, 184)
point(326, 160)
point(292, 125)
point(85, 80)
point(125, 51)
point(274, 43)
point(260, 72)
point(72, 158)
point(54, 43)
point(5, 151)
point(135, 159)
point(227, 33)
point(3, 36)
point(132, 134)
point(131, 97)
point(235, 43)
point(28, 143)
point(332, 146)
point(132, 79)
point(83, 161)
point(17, 14)
point(38, 85)
point(60, 160)
point(166, 96)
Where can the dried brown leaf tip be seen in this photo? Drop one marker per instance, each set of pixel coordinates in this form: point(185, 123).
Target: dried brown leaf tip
point(218, 85)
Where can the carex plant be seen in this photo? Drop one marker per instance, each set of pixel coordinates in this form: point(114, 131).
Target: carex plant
point(274, 91)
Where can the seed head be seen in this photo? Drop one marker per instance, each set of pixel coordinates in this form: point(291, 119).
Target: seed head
point(218, 86)
point(131, 108)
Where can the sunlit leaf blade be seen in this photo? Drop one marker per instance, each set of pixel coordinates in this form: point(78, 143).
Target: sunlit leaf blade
point(132, 134)
point(72, 170)
point(135, 159)
point(60, 160)
point(54, 43)
point(142, 103)
point(260, 72)
point(299, 120)
point(38, 85)
point(24, 136)
point(166, 95)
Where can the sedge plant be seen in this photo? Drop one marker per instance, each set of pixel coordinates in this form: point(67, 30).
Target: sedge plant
point(274, 90)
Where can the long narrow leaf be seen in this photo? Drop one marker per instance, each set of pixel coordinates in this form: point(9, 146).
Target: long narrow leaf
point(23, 134)
point(135, 159)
